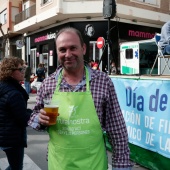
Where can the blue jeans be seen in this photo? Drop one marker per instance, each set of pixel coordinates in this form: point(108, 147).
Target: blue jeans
point(27, 87)
point(15, 158)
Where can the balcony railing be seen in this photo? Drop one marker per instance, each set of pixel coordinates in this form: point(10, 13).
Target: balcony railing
point(29, 12)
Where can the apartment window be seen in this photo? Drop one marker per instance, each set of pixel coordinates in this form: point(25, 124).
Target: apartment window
point(45, 48)
point(129, 53)
point(5, 18)
point(149, 2)
point(45, 1)
point(25, 6)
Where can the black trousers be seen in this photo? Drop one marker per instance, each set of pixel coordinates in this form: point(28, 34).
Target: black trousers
point(15, 158)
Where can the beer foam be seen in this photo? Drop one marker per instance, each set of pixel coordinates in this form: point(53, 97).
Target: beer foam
point(50, 105)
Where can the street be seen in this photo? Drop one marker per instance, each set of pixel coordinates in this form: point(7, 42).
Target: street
point(35, 153)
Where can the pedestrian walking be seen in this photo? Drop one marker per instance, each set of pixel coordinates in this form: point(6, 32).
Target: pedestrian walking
point(14, 114)
point(88, 105)
point(40, 73)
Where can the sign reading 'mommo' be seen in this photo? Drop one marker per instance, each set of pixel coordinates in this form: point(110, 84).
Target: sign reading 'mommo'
point(141, 34)
point(45, 37)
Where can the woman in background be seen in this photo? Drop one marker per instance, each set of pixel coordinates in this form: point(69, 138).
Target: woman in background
point(14, 114)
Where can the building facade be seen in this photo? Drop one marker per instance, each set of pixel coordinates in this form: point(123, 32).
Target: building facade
point(38, 21)
point(8, 10)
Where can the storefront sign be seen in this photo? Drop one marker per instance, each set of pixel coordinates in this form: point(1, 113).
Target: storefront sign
point(140, 34)
point(45, 37)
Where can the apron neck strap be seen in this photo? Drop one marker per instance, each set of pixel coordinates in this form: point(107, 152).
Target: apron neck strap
point(61, 75)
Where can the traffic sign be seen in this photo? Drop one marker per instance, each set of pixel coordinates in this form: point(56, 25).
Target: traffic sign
point(100, 42)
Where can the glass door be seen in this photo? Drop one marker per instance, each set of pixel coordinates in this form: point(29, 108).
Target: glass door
point(33, 60)
point(45, 62)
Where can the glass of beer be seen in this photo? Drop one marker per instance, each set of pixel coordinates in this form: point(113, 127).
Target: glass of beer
point(52, 112)
point(51, 109)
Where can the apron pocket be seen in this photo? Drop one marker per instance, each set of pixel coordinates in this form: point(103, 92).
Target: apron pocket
point(73, 158)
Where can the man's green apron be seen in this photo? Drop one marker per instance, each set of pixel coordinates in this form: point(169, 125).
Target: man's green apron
point(76, 141)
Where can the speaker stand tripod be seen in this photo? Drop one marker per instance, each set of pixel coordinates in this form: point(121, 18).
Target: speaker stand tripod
point(109, 49)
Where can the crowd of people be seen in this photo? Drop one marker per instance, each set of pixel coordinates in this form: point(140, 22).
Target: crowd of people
point(95, 66)
point(31, 78)
point(88, 106)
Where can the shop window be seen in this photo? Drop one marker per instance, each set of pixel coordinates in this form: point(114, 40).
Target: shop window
point(148, 2)
point(45, 48)
point(129, 53)
point(5, 18)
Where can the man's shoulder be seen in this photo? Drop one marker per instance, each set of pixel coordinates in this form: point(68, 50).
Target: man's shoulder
point(98, 73)
point(99, 76)
point(51, 77)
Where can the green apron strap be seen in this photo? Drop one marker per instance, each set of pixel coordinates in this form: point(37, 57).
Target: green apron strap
point(59, 80)
point(87, 80)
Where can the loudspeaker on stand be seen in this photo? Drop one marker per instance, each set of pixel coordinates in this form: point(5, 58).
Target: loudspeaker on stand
point(109, 8)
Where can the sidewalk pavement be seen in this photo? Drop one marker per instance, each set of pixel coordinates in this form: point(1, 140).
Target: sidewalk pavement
point(28, 163)
point(32, 98)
